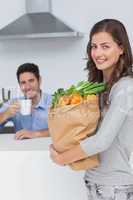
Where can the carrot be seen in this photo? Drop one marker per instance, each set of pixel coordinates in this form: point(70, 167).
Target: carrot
point(76, 98)
point(64, 100)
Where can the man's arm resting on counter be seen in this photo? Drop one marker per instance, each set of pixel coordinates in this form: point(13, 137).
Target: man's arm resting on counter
point(42, 133)
point(23, 133)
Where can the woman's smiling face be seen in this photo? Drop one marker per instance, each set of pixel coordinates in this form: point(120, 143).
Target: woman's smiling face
point(105, 52)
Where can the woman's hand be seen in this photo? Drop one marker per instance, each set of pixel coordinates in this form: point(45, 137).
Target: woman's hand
point(55, 156)
point(67, 157)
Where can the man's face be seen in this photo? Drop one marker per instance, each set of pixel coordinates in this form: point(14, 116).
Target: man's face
point(29, 85)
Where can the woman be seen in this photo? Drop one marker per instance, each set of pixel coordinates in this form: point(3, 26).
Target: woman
point(109, 60)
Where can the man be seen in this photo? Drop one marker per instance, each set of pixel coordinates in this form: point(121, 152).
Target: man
point(34, 125)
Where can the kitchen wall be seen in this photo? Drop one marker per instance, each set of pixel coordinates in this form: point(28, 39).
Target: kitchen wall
point(61, 60)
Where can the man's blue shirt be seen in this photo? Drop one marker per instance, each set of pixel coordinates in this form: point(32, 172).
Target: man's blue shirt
point(38, 120)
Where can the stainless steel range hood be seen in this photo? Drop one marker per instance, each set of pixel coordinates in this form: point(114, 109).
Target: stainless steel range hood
point(38, 22)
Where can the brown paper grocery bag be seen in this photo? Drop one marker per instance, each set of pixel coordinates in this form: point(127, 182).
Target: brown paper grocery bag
point(70, 124)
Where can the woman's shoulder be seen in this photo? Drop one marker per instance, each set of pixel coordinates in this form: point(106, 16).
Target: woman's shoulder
point(124, 81)
point(124, 84)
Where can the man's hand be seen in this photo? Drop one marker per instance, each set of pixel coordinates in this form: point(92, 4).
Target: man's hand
point(12, 110)
point(23, 134)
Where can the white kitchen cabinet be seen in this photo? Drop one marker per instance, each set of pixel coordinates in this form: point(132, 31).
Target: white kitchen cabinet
point(27, 172)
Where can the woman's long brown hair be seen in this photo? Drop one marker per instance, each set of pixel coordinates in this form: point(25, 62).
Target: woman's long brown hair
point(124, 66)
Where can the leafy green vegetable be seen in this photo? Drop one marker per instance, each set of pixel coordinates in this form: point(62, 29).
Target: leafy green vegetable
point(84, 88)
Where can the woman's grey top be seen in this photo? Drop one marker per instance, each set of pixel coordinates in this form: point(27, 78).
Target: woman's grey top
point(114, 139)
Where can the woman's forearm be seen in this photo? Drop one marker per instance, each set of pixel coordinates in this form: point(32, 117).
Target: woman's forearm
point(72, 155)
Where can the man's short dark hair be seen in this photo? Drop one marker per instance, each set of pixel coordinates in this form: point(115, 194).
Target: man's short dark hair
point(28, 67)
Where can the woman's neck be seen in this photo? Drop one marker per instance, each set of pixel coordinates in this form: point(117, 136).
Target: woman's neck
point(107, 75)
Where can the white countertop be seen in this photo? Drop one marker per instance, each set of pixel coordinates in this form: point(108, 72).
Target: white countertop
point(9, 143)
point(27, 172)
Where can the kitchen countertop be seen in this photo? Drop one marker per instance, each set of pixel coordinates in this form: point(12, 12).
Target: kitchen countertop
point(27, 172)
point(9, 143)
